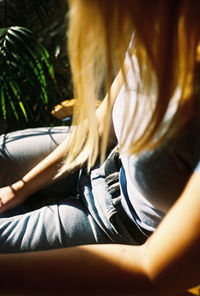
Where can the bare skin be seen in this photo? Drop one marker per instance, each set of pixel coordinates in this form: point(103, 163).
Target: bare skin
point(167, 264)
point(8, 197)
point(45, 172)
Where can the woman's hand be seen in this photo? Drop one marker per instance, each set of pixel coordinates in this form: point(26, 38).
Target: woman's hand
point(12, 196)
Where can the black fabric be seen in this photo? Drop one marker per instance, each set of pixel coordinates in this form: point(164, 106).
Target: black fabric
point(113, 162)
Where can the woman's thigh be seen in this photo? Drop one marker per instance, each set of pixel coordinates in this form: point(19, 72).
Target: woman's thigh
point(20, 151)
point(63, 225)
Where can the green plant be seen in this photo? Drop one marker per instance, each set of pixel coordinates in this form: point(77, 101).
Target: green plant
point(27, 82)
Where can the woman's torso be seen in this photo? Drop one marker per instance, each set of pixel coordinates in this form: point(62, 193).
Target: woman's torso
point(155, 179)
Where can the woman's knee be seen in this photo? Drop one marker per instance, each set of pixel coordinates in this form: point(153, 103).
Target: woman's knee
point(20, 151)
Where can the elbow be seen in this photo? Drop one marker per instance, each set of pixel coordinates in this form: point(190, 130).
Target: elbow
point(155, 284)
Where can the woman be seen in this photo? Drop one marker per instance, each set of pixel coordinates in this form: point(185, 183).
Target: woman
point(155, 116)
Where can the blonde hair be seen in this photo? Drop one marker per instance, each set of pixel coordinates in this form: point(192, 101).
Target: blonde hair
point(166, 36)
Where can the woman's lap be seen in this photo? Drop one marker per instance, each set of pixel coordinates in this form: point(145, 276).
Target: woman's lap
point(66, 223)
point(76, 219)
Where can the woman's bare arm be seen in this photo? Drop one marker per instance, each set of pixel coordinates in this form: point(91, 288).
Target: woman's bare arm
point(167, 264)
point(45, 173)
point(173, 252)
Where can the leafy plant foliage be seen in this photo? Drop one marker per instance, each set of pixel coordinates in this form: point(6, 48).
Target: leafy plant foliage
point(25, 92)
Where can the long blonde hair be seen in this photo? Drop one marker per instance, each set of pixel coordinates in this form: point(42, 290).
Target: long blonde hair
point(166, 36)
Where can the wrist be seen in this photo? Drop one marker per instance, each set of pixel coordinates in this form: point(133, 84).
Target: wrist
point(20, 188)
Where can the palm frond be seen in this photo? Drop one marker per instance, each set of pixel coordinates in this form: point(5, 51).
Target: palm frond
point(25, 66)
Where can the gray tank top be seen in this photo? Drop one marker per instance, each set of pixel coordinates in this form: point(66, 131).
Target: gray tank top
point(152, 181)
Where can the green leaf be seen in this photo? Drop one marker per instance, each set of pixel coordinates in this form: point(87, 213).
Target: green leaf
point(12, 104)
point(16, 91)
point(24, 64)
point(3, 104)
point(36, 65)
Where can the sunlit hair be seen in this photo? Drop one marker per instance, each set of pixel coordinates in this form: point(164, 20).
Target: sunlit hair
point(166, 36)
